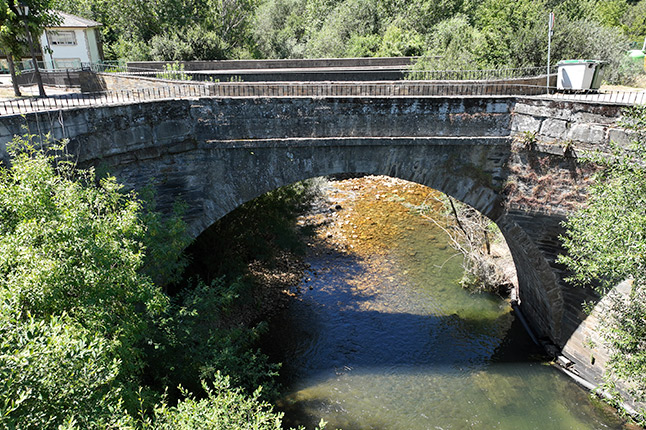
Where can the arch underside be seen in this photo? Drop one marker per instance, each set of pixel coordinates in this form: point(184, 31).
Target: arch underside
point(217, 179)
point(215, 154)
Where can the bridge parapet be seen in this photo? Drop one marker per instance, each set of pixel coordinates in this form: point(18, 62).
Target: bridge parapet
point(118, 89)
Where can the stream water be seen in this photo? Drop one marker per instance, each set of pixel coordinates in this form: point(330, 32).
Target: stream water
point(381, 335)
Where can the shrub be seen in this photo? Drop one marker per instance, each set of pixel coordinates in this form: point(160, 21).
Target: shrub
point(56, 371)
point(223, 408)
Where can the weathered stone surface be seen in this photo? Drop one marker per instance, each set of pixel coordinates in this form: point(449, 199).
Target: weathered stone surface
point(555, 128)
point(217, 153)
point(525, 123)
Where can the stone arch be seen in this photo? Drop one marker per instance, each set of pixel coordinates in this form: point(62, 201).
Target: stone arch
point(282, 163)
point(216, 154)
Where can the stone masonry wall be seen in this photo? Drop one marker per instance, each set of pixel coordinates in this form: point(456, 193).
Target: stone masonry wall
point(547, 177)
point(504, 156)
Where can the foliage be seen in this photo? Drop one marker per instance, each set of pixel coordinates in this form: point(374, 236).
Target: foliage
point(606, 244)
point(587, 39)
point(224, 407)
point(397, 42)
point(12, 25)
point(14, 29)
point(174, 71)
point(341, 23)
point(87, 339)
point(189, 27)
point(193, 43)
point(254, 231)
point(472, 234)
point(71, 254)
point(604, 240)
point(452, 46)
point(634, 22)
point(279, 29)
point(449, 34)
point(69, 246)
point(54, 371)
point(198, 338)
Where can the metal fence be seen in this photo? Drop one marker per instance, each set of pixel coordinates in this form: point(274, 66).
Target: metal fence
point(617, 97)
point(308, 89)
point(173, 72)
point(53, 77)
point(485, 74)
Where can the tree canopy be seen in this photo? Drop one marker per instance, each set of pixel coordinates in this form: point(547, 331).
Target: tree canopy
point(487, 34)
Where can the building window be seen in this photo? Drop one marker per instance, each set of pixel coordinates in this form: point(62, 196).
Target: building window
point(62, 37)
point(67, 63)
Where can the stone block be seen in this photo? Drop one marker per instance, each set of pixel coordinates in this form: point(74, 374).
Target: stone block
point(522, 123)
point(133, 137)
point(591, 134)
point(555, 128)
point(619, 136)
point(593, 118)
point(171, 130)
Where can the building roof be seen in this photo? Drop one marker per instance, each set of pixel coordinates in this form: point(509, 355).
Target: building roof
point(72, 21)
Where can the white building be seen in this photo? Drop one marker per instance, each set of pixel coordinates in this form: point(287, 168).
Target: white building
point(70, 43)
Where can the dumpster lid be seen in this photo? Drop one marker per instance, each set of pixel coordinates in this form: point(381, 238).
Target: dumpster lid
point(579, 61)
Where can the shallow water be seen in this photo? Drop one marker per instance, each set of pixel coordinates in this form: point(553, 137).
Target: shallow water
point(383, 337)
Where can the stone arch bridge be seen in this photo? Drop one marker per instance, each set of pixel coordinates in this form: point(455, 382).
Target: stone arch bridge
point(511, 158)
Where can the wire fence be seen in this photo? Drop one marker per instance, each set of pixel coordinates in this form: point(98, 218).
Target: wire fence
point(310, 89)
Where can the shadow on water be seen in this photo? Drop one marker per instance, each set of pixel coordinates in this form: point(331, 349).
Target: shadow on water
point(388, 340)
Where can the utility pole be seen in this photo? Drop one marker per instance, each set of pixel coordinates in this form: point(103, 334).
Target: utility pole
point(550, 32)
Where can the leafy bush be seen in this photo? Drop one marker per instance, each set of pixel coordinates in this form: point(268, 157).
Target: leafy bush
point(397, 42)
point(197, 339)
point(56, 371)
point(75, 308)
point(86, 338)
point(606, 244)
point(192, 43)
point(224, 407)
point(70, 246)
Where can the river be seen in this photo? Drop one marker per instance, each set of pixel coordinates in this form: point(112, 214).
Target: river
point(381, 336)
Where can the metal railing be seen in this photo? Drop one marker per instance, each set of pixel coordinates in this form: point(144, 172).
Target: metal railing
point(308, 89)
point(618, 97)
point(484, 74)
point(428, 75)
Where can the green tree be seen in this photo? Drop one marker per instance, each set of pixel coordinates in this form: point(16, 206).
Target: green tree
point(14, 26)
point(279, 29)
point(453, 45)
point(87, 340)
point(73, 245)
point(397, 42)
point(634, 22)
point(611, 12)
point(606, 244)
point(11, 32)
point(349, 18)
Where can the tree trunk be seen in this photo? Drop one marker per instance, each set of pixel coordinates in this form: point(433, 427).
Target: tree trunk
point(39, 80)
point(12, 70)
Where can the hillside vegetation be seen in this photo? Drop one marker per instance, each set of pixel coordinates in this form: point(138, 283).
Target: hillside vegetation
point(465, 34)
